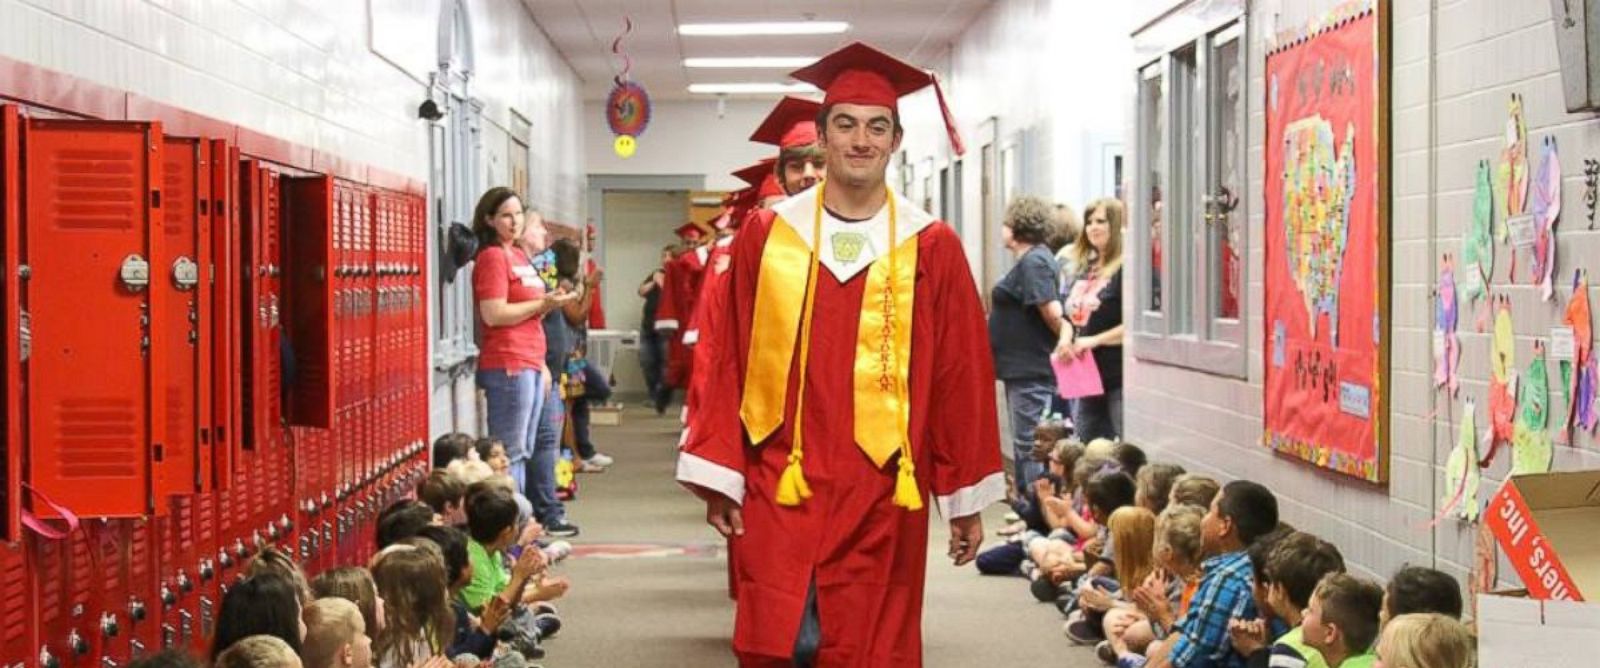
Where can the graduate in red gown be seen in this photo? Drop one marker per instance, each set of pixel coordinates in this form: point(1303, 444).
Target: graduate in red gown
point(680, 289)
point(852, 380)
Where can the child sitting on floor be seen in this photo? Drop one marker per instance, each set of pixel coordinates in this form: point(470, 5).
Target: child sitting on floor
point(1427, 640)
point(1342, 620)
point(1291, 572)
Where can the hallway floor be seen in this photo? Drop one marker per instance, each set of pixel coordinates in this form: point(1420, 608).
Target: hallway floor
point(650, 581)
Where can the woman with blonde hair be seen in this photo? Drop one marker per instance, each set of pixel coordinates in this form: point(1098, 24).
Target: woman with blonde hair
point(354, 584)
point(1094, 313)
point(416, 603)
point(1426, 640)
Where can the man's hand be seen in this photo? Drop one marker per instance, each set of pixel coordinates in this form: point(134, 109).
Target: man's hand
point(966, 534)
point(593, 278)
point(495, 612)
point(724, 514)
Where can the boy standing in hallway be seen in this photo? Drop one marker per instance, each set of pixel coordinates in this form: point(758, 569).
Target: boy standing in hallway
point(856, 363)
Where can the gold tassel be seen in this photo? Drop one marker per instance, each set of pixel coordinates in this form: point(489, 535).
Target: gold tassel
point(906, 493)
point(792, 487)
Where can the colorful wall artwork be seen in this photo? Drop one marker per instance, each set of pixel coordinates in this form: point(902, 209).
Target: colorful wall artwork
point(1327, 283)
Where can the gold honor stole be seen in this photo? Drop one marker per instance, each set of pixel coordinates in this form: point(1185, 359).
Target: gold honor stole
point(785, 298)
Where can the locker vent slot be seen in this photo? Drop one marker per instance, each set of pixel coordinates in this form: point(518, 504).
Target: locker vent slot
point(97, 189)
point(97, 438)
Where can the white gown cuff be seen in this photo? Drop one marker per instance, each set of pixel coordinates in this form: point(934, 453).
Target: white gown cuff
point(969, 500)
point(705, 473)
point(666, 324)
point(691, 337)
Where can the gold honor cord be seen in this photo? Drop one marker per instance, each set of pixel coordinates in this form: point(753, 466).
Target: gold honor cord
point(882, 357)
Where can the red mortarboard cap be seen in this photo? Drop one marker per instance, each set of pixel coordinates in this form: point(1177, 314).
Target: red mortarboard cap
point(792, 123)
point(860, 74)
point(770, 187)
point(689, 231)
point(754, 174)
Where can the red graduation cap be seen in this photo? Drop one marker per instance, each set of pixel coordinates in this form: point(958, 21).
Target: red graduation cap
point(770, 187)
point(754, 174)
point(792, 123)
point(860, 74)
point(690, 231)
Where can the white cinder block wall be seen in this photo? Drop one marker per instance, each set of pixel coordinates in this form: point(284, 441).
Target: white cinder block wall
point(1454, 68)
point(343, 77)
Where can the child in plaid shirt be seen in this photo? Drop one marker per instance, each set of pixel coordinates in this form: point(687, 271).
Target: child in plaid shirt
point(1242, 513)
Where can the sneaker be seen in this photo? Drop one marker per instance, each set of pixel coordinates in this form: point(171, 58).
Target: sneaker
point(1079, 630)
point(556, 551)
point(1106, 653)
point(1012, 517)
point(1011, 529)
point(561, 529)
point(586, 466)
point(601, 459)
point(1043, 590)
point(544, 608)
point(547, 624)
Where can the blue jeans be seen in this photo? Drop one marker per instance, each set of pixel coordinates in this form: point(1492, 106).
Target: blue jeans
point(542, 465)
point(1027, 401)
point(1098, 417)
point(595, 390)
point(517, 405)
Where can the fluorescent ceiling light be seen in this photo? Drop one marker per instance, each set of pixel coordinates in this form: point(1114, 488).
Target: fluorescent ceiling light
point(784, 62)
point(751, 88)
point(741, 29)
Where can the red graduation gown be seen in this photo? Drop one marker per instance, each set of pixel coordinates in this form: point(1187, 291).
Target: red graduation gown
point(681, 288)
point(866, 556)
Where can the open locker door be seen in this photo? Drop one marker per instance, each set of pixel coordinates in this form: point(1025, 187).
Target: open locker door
point(14, 323)
point(93, 202)
point(225, 334)
point(178, 272)
point(308, 225)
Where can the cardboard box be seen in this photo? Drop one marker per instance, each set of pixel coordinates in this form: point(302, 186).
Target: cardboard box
point(1548, 525)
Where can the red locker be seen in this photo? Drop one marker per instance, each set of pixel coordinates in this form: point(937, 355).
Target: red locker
point(180, 271)
point(307, 218)
point(67, 582)
point(225, 321)
point(138, 612)
point(12, 445)
point(93, 198)
point(17, 640)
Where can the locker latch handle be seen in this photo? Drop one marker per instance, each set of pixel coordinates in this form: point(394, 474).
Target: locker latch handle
point(185, 273)
point(135, 273)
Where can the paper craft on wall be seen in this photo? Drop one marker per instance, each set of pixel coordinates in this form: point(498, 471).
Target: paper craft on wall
point(1546, 210)
point(1502, 379)
point(1477, 246)
point(1326, 267)
point(1591, 187)
point(1511, 174)
point(1572, 346)
point(1530, 442)
point(1461, 475)
point(1446, 344)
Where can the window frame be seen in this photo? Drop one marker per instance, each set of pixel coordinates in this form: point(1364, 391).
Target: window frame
point(1187, 331)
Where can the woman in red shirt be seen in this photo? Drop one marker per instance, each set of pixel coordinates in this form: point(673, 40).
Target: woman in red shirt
point(511, 301)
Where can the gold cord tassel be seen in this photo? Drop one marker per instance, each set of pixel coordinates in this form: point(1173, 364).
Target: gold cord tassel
point(792, 487)
point(906, 493)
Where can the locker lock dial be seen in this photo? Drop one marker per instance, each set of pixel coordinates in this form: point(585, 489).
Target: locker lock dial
point(78, 643)
point(136, 610)
point(48, 660)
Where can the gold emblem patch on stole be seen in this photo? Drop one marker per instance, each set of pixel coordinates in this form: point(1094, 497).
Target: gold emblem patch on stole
point(847, 246)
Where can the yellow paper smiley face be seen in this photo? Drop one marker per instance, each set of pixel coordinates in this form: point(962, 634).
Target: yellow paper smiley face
point(624, 146)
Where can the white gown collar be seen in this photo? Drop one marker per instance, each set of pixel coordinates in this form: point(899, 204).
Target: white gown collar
point(840, 236)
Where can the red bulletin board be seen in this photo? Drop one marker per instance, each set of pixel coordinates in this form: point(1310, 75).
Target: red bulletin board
point(1327, 235)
